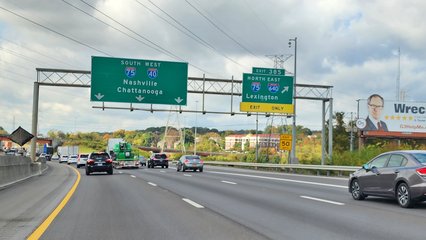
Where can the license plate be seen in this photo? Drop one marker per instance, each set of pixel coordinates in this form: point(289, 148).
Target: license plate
point(99, 164)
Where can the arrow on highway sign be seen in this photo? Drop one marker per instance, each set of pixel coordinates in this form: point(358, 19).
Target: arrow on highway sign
point(99, 96)
point(139, 98)
point(285, 89)
point(178, 100)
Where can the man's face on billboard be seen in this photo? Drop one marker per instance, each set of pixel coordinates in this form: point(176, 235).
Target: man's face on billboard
point(375, 107)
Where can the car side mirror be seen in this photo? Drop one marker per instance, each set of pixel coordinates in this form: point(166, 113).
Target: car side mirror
point(366, 167)
point(374, 169)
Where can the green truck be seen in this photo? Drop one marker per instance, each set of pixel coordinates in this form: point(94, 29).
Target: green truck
point(122, 154)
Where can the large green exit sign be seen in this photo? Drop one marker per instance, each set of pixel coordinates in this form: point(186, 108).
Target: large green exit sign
point(138, 81)
point(259, 88)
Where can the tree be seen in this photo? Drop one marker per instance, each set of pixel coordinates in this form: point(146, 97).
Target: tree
point(340, 136)
point(2, 131)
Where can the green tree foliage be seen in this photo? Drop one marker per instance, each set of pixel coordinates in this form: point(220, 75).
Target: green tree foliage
point(2, 131)
point(340, 136)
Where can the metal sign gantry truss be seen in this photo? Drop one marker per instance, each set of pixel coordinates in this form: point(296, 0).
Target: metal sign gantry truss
point(196, 85)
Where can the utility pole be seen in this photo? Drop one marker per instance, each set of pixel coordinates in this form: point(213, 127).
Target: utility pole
point(398, 90)
point(294, 135)
point(351, 143)
point(195, 135)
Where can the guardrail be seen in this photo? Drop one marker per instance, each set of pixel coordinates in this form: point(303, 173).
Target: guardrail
point(328, 169)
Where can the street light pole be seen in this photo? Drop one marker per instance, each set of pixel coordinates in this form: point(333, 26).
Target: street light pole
point(195, 135)
point(293, 139)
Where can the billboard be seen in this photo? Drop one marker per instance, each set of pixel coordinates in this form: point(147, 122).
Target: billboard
point(379, 115)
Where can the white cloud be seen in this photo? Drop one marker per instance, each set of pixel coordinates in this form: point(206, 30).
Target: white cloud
point(347, 44)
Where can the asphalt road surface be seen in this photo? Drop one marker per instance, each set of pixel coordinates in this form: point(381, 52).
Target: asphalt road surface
point(220, 203)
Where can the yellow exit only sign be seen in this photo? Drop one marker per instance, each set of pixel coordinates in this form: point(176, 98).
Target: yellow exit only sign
point(266, 107)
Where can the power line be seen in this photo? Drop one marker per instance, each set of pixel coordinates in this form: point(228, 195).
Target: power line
point(109, 25)
point(192, 36)
point(20, 55)
point(261, 21)
point(146, 39)
point(221, 30)
point(131, 30)
point(54, 31)
point(42, 54)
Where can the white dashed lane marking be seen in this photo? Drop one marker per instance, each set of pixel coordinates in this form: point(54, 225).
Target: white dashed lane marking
point(227, 182)
point(323, 200)
point(192, 203)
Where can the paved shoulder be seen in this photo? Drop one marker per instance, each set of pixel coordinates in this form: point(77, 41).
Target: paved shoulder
point(25, 205)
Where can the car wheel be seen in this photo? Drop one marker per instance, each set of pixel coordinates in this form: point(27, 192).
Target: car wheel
point(356, 190)
point(87, 172)
point(183, 168)
point(78, 166)
point(167, 166)
point(201, 169)
point(110, 172)
point(194, 169)
point(178, 168)
point(403, 196)
point(162, 166)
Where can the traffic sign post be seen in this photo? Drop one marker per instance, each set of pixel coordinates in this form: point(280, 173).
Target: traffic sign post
point(285, 142)
point(138, 81)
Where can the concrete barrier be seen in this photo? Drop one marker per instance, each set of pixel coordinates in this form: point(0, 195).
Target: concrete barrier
point(14, 169)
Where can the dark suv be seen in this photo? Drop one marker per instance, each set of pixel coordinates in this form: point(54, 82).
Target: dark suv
point(99, 162)
point(158, 159)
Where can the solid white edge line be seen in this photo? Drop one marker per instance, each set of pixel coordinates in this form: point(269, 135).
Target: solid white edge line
point(281, 179)
point(192, 203)
point(228, 182)
point(152, 184)
point(133, 176)
point(323, 200)
point(187, 175)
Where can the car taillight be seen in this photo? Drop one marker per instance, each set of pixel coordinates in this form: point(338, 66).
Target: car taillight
point(201, 161)
point(421, 171)
point(108, 161)
point(186, 161)
point(90, 161)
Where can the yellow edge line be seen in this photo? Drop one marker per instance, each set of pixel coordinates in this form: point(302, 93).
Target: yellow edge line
point(43, 227)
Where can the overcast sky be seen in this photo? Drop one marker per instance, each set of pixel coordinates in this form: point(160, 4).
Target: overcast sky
point(350, 45)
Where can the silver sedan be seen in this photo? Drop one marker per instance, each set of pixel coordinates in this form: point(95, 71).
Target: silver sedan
point(190, 162)
point(397, 174)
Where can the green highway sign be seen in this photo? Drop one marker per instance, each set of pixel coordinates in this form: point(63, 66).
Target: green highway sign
point(268, 71)
point(258, 88)
point(138, 81)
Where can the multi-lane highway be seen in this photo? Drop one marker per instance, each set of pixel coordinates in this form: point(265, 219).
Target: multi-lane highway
point(220, 203)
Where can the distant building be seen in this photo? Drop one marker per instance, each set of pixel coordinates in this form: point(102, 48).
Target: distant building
point(249, 140)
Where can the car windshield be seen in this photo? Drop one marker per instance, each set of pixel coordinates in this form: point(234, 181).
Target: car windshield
point(99, 156)
point(193, 157)
point(84, 155)
point(421, 157)
point(162, 156)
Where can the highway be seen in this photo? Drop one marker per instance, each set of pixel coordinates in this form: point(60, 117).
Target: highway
point(220, 203)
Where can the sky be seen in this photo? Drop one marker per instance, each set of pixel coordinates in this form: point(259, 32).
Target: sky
point(357, 47)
